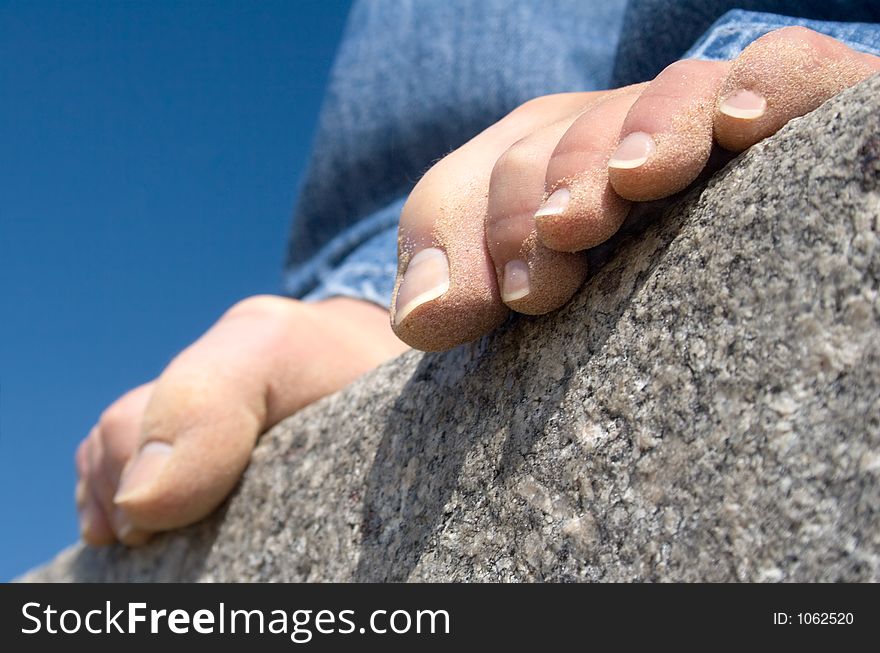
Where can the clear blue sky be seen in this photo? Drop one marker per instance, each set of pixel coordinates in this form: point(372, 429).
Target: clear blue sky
point(149, 160)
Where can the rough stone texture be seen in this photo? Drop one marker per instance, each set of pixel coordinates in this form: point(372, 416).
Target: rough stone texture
point(708, 408)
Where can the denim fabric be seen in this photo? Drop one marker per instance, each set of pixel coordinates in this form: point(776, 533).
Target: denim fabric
point(728, 36)
point(415, 79)
point(658, 32)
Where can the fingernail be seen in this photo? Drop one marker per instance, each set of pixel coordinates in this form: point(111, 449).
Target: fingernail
point(516, 281)
point(633, 151)
point(747, 105)
point(143, 470)
point(426, 278)
point(122, 524)
point(555, 204)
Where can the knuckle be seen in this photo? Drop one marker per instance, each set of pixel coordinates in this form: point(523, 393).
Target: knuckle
point(430, 192)
point(114, 418)
point(684, 67)
point(519, 156)
point(122, 415)
point(274, 318)
point(793, 34)
point(535, 105)
point(262, 305)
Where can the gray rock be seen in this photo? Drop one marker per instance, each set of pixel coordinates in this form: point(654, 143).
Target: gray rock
point(707, 409)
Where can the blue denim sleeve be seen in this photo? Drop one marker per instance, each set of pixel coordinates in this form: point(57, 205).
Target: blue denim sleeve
point(731, 33)
point(413, 80)
point(360, 261)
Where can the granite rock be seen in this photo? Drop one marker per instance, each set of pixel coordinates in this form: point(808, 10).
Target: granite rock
point(706, 409)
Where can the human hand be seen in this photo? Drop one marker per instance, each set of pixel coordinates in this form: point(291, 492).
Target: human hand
point(168, 453)
point(501, 223)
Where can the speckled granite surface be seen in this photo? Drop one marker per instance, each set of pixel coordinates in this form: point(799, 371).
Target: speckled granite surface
point(708, 408)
